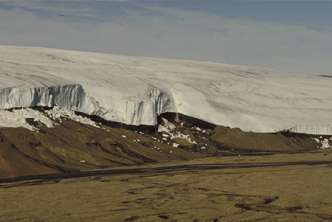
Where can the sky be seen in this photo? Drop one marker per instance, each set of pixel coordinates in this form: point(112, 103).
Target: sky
point(286, 35)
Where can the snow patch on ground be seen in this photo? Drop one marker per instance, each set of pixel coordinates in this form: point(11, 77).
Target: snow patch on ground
point(168, 132)
point(57, 113)
point(179, 135)
point(323, 142)
point(17, 118)
point(175, 145)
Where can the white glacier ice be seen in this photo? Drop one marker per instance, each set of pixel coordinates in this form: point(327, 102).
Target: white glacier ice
point(135, 90)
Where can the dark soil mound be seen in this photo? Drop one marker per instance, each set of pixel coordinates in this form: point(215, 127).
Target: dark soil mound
point(268, 142)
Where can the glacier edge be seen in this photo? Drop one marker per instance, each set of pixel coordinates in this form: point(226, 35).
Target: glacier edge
point(74, 97)
point(134, 90)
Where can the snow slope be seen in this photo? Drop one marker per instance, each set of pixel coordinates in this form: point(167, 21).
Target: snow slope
point(136, 90)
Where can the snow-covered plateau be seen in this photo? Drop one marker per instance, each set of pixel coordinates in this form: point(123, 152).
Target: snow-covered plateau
point(135, 90)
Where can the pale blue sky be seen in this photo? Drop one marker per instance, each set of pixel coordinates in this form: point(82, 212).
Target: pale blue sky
point(292, 36)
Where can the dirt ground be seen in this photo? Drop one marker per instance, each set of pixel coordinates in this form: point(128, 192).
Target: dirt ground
point(297, 193)
point(164, 175)
point(71, 146)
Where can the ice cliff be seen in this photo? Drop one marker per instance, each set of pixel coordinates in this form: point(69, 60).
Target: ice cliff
point(136, 90)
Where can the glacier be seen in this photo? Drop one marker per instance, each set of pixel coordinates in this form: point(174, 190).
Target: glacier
point(136, 90)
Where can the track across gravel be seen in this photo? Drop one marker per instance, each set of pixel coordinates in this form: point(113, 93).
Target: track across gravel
point(155, 170)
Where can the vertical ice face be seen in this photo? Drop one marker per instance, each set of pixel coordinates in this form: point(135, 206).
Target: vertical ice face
point(145, 111)
point(66, 96)
point(141, 111)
